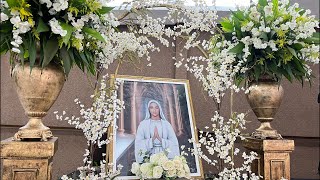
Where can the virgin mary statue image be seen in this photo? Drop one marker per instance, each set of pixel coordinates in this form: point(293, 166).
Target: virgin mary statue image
point(155, 134)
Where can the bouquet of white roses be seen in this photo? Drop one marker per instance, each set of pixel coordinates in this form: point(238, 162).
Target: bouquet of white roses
point(159, 166)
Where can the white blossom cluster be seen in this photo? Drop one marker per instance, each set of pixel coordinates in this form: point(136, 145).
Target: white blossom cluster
point(189, 21)
point(218, 70)
point(95, 121)
point(97, 118)
point(55, 5)
point(145, 28)
point(219, 142)
point(56, 28)
point(301, 25)
point(244, 172)
point(19, 26)
point(3, 5)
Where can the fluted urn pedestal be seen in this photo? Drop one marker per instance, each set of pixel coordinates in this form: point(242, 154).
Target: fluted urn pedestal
point(37, 90)
point(265, 98)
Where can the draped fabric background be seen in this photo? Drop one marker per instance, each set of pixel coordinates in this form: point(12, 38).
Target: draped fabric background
point(136, 95)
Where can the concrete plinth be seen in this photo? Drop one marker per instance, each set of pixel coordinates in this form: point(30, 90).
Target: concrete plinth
point(27, 159)
point(273, 161)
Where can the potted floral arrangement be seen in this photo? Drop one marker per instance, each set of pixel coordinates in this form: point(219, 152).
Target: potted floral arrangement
point(260, 45)
point(158, 166)
point(46, 38)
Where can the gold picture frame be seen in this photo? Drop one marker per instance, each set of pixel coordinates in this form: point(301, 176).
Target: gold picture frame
point(175, 97)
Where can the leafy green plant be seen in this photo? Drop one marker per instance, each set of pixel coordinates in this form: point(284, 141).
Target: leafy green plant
point(65, 32)
point(270, 38)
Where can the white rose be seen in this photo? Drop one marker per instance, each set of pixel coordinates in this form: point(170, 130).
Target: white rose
point(162, 159)
point(171, 173)
point(186, 168)
point(181, 174)
point(135, 168)
point(157, 172)
point(168, 165)
point(158, 158)
point(178, 164)
point(146, 170)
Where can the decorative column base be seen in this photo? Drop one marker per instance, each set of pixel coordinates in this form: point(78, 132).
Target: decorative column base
point(273, 161)
point(27, 159)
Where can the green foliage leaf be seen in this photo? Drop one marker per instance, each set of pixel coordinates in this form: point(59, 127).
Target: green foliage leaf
point(228, 36)
point(263, 3)
point(298, 65)
point(239, 79)
point(289, 73)
point(77, 59)
point(42, 27)
point(237, 49)
point(264, 36)
point(50, 50)
point(21, 54)
point(275, 7)
point(64, 55)
point(4, 43)
point(69, 30)
point(315, 39)
point(26, 54)
point(93, 33)
point(105, 10)
point(257, 72)
point(293, 52)
point(227, 26)
point(302, 11)
point(272, 33)
point(5, 27)
point(71, 55)
point(83, 58)
point(238, 14)
point(78, 3)
point(12, 3)
point(32, 51)
point(297, 46)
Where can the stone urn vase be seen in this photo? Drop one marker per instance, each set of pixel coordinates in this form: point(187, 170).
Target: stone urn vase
point(37, 89)
point(265, 98)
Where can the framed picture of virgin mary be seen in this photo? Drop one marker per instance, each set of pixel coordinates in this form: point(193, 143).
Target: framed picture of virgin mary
point(158, 116)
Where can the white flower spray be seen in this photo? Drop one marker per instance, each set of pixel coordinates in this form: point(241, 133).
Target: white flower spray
point(190, 23)
point(95, 121)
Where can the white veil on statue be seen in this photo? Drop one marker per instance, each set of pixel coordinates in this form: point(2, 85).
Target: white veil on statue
point(148, 115)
